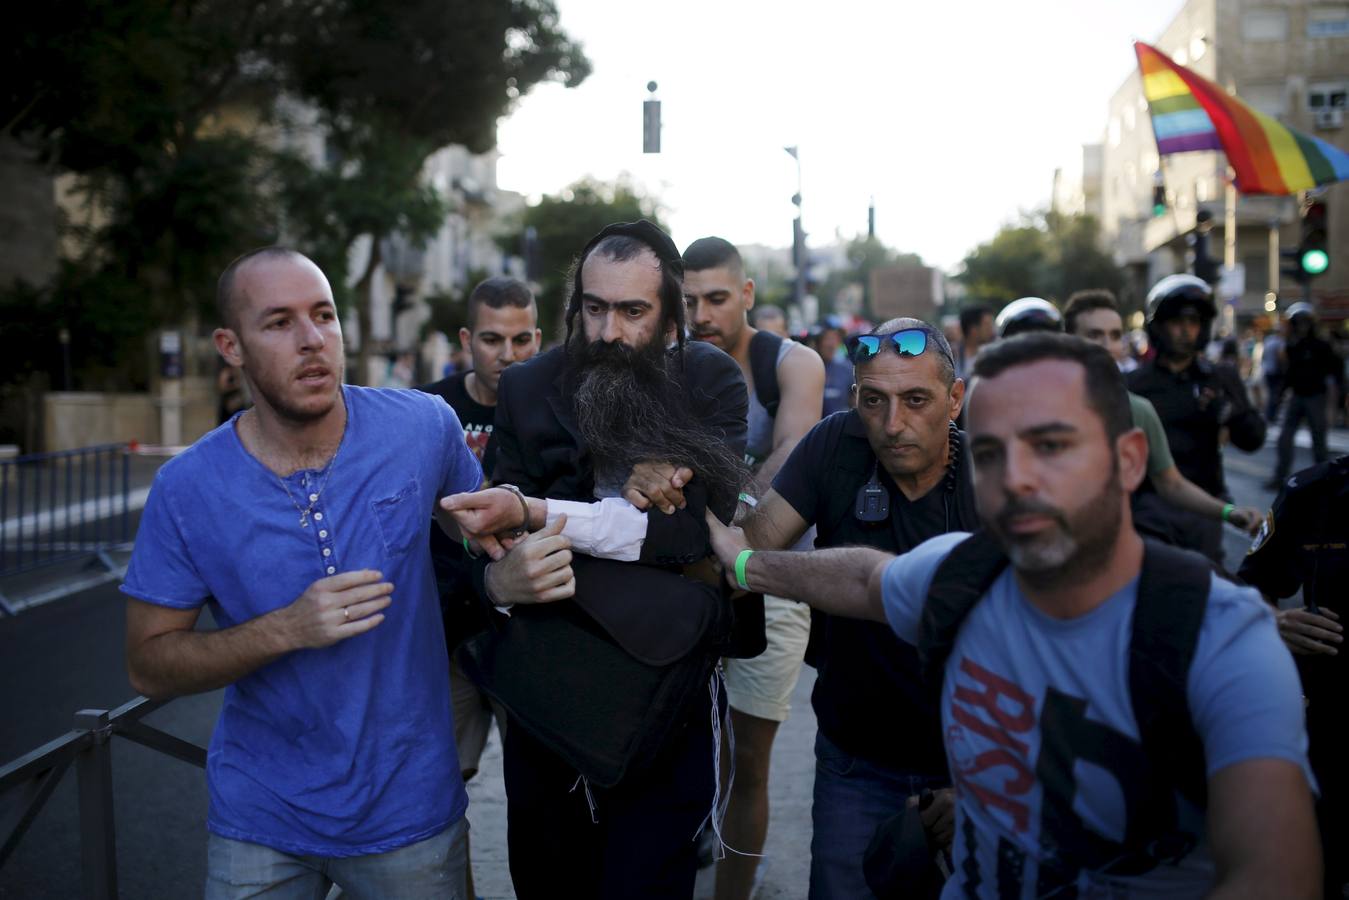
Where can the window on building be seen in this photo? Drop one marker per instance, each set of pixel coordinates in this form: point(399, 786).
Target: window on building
point(1327, 95)
point(1270, 98)
point(1114, 131)
point(1265, 25)
point(1328, 21)
point(1128, 118)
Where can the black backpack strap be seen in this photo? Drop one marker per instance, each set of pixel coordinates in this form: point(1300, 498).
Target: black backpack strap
point(957, 586)
point(1172, 598)
point(763, 366)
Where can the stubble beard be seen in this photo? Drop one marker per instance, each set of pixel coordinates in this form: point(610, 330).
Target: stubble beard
point(1079, 546)
point(274, 395)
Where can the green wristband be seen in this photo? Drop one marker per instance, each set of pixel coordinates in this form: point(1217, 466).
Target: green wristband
point(740, 568)
point(1227, 511)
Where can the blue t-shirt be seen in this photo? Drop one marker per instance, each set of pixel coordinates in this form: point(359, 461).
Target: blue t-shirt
point(1010, 659)
point(349, 749)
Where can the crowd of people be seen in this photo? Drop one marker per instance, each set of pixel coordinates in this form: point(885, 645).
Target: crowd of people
point(1037, 675)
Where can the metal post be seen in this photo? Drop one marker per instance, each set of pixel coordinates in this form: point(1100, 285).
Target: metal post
point(1230, 223)
point(126, 499)
point(799, 288)
point(98, 839)
point(1274, 256)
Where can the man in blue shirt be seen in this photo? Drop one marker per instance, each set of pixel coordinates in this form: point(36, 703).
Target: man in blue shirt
point(1038, 714)
point(303, 523)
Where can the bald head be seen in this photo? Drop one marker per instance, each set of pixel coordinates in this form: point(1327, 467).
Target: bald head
point(227, 292)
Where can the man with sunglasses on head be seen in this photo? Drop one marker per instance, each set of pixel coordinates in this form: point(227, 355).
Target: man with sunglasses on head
point(888, 474)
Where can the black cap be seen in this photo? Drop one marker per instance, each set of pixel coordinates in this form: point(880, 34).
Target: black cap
point(648, 234)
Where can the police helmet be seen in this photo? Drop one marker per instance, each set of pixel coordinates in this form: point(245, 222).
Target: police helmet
point(1300, 308)
point(1176, 292)
point(1174, 295)
point(1027, 314)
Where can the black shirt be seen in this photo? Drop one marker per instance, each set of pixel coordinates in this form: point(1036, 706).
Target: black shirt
point(458, 600)
point(1195, 404)
point(869, 697)
point(476, 418)
point(1311, 362)
point(1304, 543)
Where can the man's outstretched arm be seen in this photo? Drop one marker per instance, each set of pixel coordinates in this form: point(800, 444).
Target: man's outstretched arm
point(841, 581)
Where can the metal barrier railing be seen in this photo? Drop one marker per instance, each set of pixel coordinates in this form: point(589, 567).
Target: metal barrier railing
point(35, 776)
point(64, 505)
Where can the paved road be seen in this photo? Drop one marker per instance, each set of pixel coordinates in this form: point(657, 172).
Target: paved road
point(67, 655)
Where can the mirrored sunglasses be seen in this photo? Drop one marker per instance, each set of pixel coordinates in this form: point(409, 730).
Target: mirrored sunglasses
point(909, 342)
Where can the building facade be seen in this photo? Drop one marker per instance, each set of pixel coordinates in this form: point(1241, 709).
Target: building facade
point(1288, 59)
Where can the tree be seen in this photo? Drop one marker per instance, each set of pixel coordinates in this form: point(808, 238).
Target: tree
point(124, 95)
point(393, 89)
point(563, 224)
point(156, 105)
point(1046, 254)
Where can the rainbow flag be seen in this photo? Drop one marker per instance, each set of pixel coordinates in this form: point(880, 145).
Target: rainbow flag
point(1190, 112)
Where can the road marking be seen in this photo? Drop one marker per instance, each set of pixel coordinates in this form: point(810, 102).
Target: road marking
point(70, 516)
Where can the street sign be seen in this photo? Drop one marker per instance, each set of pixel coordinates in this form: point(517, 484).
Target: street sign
point(1232, 282)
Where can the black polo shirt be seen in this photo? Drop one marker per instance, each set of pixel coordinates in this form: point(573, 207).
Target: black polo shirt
point(869, 697)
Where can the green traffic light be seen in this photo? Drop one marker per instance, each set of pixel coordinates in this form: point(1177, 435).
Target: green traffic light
point(1315, 262)
point(1158, 209)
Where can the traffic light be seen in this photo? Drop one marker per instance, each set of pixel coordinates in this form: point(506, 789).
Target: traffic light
point(1314, 247)
point(1158, 200)
point(1205, 266)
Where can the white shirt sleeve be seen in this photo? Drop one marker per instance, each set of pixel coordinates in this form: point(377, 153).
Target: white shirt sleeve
point(611, 528)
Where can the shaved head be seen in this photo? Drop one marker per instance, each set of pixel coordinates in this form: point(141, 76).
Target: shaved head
point(226, 295)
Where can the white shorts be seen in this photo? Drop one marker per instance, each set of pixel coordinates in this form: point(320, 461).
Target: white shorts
point(762, 686)
point(473, 714)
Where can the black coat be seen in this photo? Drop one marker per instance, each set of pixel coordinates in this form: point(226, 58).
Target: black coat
point(540, 450)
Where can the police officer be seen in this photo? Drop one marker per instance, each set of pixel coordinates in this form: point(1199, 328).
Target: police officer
point(1027, 314)
point(1305, 544)
point(1311, 364)
point(1198, 401)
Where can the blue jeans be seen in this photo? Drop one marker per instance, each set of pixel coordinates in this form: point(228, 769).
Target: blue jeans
point(852, 798)
point(434, 868)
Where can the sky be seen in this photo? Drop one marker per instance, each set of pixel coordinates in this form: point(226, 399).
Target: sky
point(952, 115)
